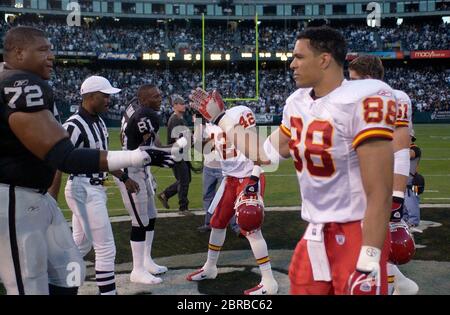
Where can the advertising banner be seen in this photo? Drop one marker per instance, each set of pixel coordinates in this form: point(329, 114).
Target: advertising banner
point(118, 56)
point(429, 54)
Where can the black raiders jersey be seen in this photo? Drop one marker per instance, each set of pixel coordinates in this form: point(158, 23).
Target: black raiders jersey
point(22, 91)
point(141, 126)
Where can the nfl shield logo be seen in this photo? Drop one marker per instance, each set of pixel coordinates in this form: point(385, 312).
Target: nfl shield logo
point(340, 239)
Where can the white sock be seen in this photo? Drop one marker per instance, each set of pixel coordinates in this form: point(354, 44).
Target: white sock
point(399, 276)
point(259, 248)
point(216, 240)
point(148, 246)
point(138, 249)
point(391, 277)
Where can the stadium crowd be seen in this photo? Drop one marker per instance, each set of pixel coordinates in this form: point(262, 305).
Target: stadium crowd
point(109, 36)
point(428, 88)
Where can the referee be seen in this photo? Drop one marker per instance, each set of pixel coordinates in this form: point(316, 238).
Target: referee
point(85, 193)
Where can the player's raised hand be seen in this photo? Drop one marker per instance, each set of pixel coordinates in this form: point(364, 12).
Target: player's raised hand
point(209, 104)
point(158, 157)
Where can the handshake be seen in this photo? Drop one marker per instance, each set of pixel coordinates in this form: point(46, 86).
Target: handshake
point(162, 157)
point(155, 156)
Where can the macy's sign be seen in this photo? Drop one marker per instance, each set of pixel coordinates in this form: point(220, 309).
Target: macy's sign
point(430, 54)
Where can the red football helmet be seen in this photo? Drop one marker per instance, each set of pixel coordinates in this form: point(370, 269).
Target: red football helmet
point(249, 212)
point(402, 243)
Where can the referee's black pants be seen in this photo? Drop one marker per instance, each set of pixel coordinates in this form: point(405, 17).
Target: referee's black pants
point(182, 172)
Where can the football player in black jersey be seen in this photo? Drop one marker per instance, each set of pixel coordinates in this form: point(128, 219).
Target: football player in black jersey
point(37, 253)
point(140, 125)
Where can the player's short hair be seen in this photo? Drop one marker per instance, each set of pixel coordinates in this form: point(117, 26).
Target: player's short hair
point(326, 39)
point(145, 87)
point(20, 36)
point(368, 65)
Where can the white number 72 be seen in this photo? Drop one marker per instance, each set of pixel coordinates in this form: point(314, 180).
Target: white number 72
point(33, 95)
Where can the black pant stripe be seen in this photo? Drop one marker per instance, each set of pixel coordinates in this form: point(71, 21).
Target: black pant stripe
point(102, 272)
point(13, 239)
point(104, 279)
point(133, 205)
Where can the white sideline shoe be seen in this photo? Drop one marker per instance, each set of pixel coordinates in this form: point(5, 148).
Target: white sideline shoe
point(263, 288)
point(144, 277)
point(405, 287)
point(202, 274)
point(154, 268)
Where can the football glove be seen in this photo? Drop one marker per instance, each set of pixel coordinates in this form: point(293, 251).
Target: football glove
point(365, 280)
point(158, 157)
point(209, 104)
point(252, 186)
point(397, 209)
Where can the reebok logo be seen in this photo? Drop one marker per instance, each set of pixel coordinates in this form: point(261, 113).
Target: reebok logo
point(20, 83)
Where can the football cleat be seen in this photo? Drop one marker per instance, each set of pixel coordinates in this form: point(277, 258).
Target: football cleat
point(154, 268)
point(203, 274)
point(249, 212)
point(405, 286)
point(144, 277)
point(263, 289)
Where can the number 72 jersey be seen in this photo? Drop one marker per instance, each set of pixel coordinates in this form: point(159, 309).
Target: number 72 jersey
point(324, 134)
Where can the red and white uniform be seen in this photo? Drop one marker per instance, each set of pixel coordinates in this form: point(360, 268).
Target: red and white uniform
point(236, 168)
point(404, 110)
point(324, 134)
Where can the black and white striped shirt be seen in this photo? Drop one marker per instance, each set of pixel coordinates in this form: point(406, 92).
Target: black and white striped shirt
point(87, 131)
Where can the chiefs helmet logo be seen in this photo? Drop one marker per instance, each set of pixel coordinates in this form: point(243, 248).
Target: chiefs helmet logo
point(249, 212)
point(402, 243)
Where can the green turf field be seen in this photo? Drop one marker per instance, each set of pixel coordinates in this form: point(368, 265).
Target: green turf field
point(282, 187)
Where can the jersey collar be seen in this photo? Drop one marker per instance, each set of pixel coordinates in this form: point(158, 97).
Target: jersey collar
point(87, 116)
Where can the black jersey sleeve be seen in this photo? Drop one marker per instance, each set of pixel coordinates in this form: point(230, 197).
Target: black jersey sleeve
point(25, 92)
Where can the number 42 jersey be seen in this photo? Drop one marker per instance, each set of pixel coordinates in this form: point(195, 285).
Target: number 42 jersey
point(324, 134)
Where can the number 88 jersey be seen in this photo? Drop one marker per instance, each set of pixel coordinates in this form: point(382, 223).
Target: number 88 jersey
point(324, 134)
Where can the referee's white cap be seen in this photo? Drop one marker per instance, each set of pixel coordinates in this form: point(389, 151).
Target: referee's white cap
point(97, 84)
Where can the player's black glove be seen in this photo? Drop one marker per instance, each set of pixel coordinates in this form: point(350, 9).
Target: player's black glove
point(158, 157)
point(252, 186)
point(397, 209)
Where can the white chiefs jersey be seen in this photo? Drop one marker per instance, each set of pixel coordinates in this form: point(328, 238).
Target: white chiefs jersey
point(324, 134)
point(404, 110)
point(232, 161)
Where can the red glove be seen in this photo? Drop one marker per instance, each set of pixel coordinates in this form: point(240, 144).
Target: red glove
point(209, 104)
point(365, 280)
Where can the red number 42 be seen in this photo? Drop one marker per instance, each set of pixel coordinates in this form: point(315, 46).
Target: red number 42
point(247, 121)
